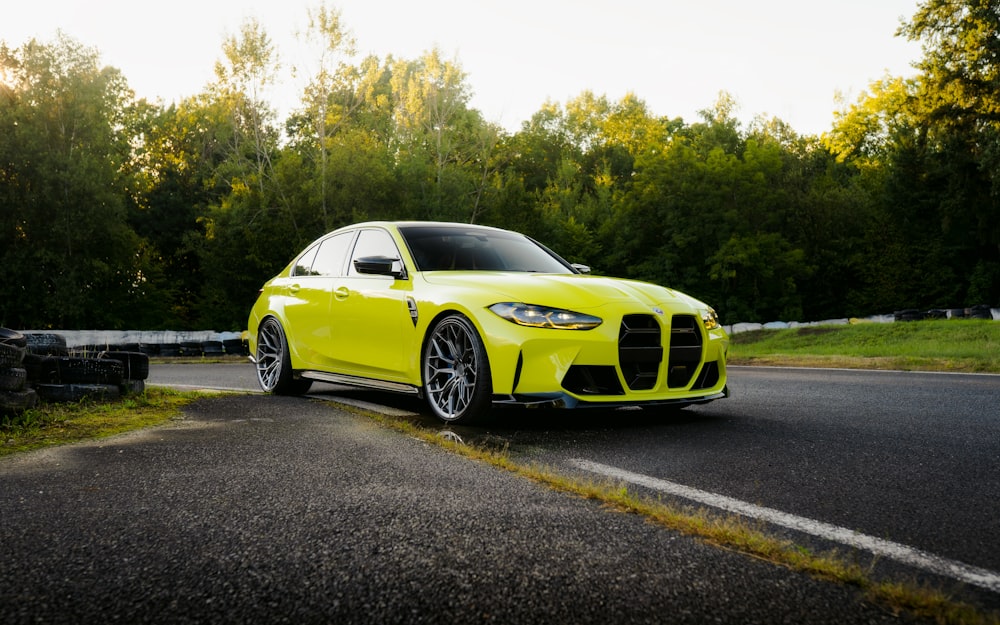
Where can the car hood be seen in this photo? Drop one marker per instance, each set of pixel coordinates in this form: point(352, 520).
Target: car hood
point(574, 291)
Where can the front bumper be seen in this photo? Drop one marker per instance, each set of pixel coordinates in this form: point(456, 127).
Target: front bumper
point(565, 400)
point(636, 359)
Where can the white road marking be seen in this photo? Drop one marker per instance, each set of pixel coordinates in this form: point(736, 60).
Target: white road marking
point(938, 565)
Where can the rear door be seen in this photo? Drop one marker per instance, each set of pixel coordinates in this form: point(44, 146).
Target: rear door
point(310, 293)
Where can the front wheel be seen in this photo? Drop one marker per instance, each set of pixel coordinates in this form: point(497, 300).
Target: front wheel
point(457, 381)
point(274, 364)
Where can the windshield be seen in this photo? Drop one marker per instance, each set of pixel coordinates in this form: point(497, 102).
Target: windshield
point(454, 248)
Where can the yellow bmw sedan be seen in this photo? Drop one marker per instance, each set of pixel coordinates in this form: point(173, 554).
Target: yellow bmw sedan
point(470, 316)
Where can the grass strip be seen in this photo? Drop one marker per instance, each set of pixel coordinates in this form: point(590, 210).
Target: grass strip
point(958, 345)
point(62, 423)
point(723, 530)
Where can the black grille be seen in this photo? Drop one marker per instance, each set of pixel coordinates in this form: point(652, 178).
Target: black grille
point(592, 380)
point(685, 350)
point(640, 351)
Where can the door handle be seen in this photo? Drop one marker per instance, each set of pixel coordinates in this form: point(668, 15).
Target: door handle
point(341, 293)
point(293, 289)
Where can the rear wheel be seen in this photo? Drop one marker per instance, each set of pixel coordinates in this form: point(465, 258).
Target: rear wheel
point(274, 364)
point(457, 379)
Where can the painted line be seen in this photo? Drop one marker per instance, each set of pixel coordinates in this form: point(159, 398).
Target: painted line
point(983, 578)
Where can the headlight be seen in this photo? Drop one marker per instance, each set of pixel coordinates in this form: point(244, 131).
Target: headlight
point(545, 317)
point(709, 318)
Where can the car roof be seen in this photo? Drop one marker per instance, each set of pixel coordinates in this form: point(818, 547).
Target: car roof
point(400, 224)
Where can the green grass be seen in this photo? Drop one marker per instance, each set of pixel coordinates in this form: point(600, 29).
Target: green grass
point(966, 345)
point(62, 423)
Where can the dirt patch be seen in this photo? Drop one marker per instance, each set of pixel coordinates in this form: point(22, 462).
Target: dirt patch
point(815, 330)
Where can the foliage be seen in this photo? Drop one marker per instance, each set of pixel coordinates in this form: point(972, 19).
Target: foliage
point(67, 256)
point(119, 213)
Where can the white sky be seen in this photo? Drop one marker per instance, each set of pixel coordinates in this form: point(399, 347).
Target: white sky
point(783, 58)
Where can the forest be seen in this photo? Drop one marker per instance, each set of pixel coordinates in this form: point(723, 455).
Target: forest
point(119, 213)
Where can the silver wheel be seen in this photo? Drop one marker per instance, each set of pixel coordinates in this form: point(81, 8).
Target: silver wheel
point(456, 371)
point(270, 355)
point(274, 365)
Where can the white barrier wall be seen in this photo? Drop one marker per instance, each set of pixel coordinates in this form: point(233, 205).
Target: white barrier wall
point(79, 338)
point(736, 328)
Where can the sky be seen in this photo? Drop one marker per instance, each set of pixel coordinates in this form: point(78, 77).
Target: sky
point(789, 59)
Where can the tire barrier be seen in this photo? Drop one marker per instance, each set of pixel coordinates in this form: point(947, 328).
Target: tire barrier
point(15, 394)
point(981, 311)
point(39, 367)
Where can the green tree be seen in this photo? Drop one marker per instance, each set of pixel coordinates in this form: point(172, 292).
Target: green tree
point(175, 165)
point(249, 231)
point(446, 149)
point(960, 110)
point(67, 257)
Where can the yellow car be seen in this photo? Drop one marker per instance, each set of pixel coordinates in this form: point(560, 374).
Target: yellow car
point(470, 316)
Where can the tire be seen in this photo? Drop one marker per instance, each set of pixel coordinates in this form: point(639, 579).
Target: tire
point(981, 312)
point(274, 363)
point(132, 387)
point(10, 356)
point(190, 348)
point(135, 365)
point(234, 346)
point(18, 401)
point(13, 379)
point(212, 348)
point(46, 344)
point(61, 393)
point(89, 371)
point(456, 372)
point(41, 369)
point(12, 337)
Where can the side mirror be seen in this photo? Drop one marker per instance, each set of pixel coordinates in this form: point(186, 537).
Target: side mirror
point(379, 266)
point(581, 268)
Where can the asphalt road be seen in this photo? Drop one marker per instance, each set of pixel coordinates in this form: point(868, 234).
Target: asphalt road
point(268, 509)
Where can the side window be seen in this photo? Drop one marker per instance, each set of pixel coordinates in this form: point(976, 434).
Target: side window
point(374, 243)
point(303, 266)
point(330, 259)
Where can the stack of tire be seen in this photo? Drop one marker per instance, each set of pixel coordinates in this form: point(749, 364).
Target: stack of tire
point(52, 374)
point(15, 395)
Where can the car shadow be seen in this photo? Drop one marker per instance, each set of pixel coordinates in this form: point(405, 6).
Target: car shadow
point(510, 424)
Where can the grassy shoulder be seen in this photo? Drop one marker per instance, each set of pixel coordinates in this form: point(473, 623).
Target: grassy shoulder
point(959, 345)
point(62, 423)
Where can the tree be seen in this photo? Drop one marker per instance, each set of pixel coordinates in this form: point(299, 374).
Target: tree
point(332, 94)
point(446, 148)
point(176, 164)
point(927, 148)
point(67, 257)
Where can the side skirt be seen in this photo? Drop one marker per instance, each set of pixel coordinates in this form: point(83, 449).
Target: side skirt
point(350, 380)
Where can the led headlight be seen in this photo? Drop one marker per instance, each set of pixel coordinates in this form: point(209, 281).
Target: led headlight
point(544, 316)
point(709, 318)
